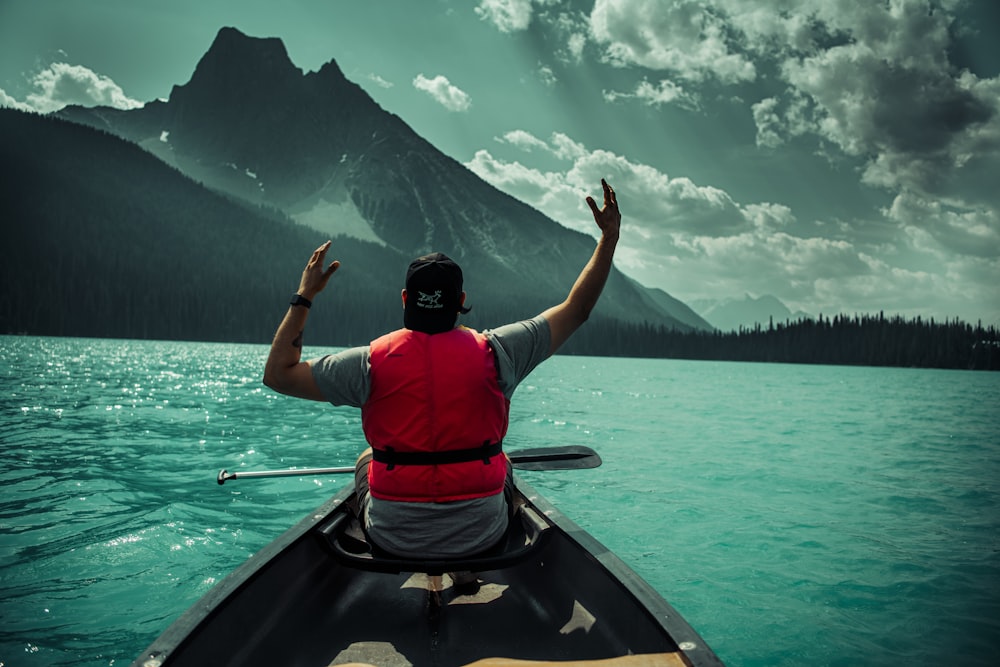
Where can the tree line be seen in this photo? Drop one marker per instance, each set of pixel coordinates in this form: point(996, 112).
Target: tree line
point(864, 340)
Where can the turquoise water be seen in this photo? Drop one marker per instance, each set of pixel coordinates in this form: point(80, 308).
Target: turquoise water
point(795, 515)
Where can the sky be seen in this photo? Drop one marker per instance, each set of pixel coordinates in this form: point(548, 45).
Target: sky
point(841, 155)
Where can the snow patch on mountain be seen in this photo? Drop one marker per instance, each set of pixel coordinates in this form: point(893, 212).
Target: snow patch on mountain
point(336, 219)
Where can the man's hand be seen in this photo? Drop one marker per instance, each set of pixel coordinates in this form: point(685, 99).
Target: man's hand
point(609, 218)
point(314, 278)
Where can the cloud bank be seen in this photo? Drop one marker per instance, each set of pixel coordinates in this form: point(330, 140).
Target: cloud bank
point(700, 242)
point(869, 80)
point(870, 86)
point(62, 84)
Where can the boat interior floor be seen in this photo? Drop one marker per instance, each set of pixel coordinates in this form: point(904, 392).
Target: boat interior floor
point(539, 599)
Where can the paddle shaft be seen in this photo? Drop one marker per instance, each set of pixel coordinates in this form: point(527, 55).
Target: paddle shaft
point(572, 457)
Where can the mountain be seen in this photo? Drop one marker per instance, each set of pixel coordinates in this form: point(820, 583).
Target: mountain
point(678, 309)
point(731, 314)
point(316, 147)
point(101, 239)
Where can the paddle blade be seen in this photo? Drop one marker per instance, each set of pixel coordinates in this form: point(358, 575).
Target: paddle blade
point(569, 457)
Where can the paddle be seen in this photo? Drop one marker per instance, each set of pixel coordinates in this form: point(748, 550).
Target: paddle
point(570, 457)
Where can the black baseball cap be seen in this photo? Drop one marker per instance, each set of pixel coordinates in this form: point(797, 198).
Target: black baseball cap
point(433, 294)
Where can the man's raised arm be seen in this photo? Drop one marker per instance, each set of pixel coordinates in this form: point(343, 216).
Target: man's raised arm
point(285, 372)
point(567, 317)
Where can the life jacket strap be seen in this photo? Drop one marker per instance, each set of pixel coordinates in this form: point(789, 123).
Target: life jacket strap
point(392, 458)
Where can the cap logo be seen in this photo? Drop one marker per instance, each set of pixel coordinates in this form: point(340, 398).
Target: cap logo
point(425, 300)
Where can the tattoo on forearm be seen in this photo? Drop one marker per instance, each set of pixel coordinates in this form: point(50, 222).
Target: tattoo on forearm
point(298, 341)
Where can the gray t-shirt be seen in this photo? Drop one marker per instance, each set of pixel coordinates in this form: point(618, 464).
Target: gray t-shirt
point(437, 529)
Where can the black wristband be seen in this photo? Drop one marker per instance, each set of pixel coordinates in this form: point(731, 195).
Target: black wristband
point(299, 300)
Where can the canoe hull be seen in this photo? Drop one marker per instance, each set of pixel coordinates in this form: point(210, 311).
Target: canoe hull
point(292, 604)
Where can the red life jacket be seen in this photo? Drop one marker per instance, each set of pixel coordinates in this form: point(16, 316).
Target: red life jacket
point(435, 417)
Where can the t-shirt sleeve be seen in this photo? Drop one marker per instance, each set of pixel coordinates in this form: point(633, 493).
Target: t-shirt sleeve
point(519, 348)
point(343, 378)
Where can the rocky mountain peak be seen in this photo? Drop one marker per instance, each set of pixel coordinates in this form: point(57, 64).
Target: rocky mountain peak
point(316, 146)
point(239, 60)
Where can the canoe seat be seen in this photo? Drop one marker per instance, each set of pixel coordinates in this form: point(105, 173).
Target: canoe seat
point(342, 536)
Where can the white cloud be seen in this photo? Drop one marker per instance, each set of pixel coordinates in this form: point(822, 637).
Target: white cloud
point(910, 120)
point(572, 29)
point(449, 96)
point(506, 15)
point(972, 231)
point(565, 148)
point(547, 76)
point(547, 191)
point(524, 140)
point(657, 200)
point(769, 216)
point(682, 37)
point(62, 84)
point(379, 81)
point(768, 123)
point(665, 92)
point(8, 101)
point(559, 144)
point(575, 44)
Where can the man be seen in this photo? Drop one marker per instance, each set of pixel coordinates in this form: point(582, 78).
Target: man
point(434, 397)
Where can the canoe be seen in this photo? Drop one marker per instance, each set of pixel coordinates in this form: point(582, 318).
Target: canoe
point(550, 594)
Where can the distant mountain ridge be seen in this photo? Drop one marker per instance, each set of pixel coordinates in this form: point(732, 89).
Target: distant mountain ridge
point(731, 314)
point(315, 146)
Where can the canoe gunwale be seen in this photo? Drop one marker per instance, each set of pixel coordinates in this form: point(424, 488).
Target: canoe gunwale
point(209, 604)
point(695, 650)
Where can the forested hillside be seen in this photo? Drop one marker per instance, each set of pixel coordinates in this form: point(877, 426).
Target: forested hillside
point(101, 239)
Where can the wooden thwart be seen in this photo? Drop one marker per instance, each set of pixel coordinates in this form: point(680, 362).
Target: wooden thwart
point(646, 660)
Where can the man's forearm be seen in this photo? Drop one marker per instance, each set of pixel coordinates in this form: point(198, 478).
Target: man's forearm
point(590, 283)
point(284, 371)
point(286, 347)
point(567, 317)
